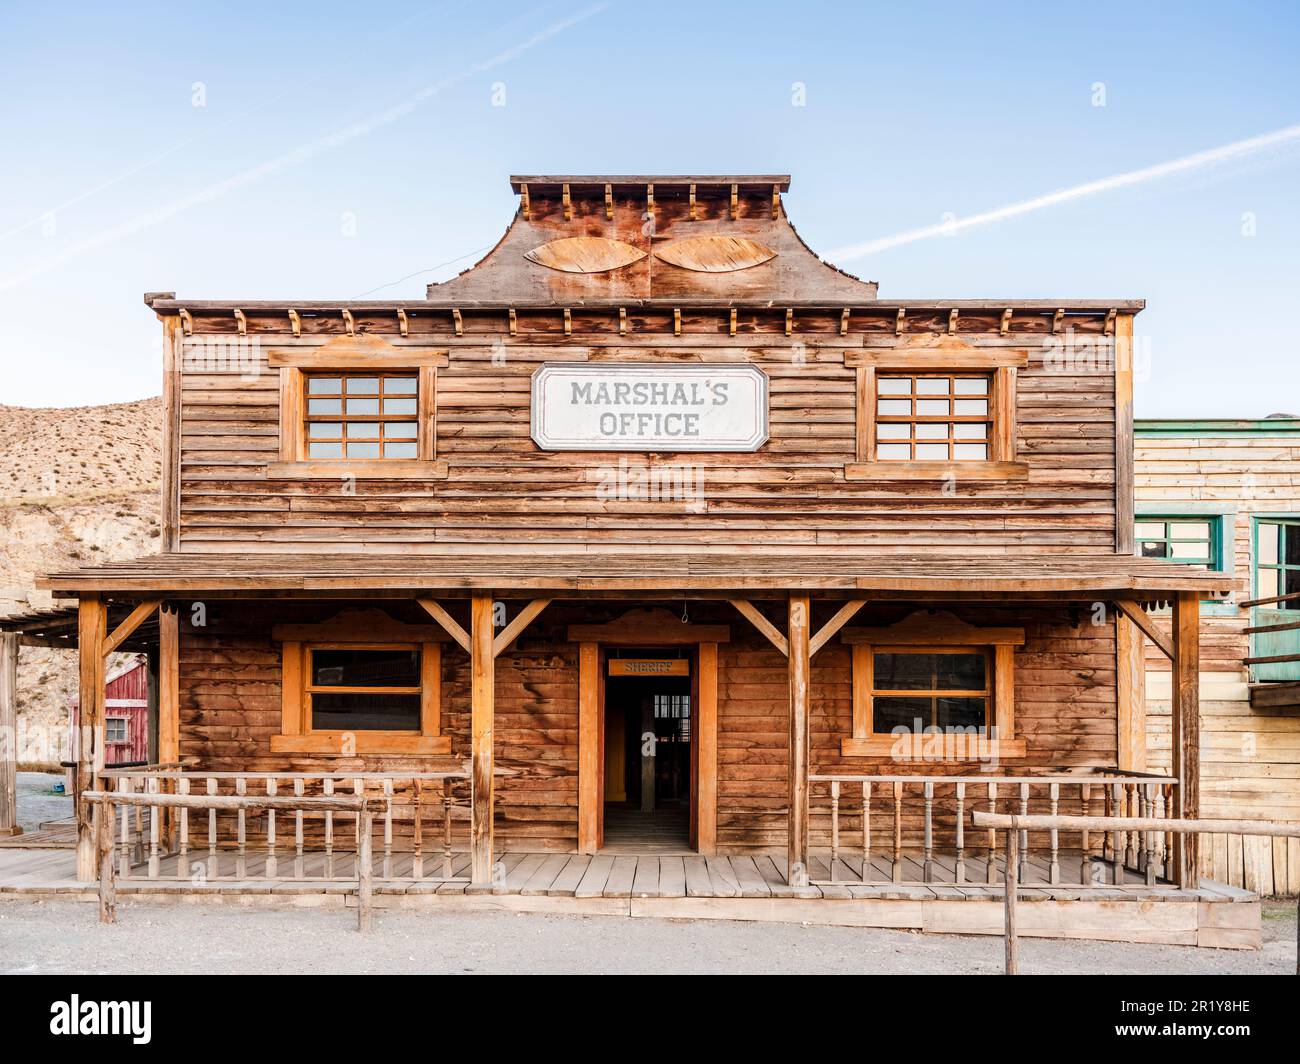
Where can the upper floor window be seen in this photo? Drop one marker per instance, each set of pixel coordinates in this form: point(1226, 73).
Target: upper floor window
point(1187, 540)
point(362, 416)
point(936, 417)
point(1277, 569)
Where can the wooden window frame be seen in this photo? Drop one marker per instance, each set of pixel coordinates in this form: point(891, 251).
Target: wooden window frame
point(355, 356)
point(999, 364)
point(381, 418)
point(940, 634)
point(358, 630)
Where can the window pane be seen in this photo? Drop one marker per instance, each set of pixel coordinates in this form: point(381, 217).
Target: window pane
point(960, 672)
point(903, 672)
point(894, 451)
point(932, 452)
point(1266, 583)
point(970, 430)
point(968, 407)
point(960, 713)
point(363, 430)
point(363, 450)
point(1291, 544)
point(399, 449)
point(971, 452)
point(399, 430)
point(365, 668)
point(894, 385)
point(890, 713)
point(1189, 529)
point(365, 712)
point(324, 406)
point(1150, 530)
point(890, 430)
point(324, 450)
point(325, 430)
point(363, 406)
point(932, 430)
point(1155, 550)
point(931, 407)
point(399, 405)
point(932, 386)
point(1184, 552)
point(972, 386)
point(1291, 586)
point(400, 386)
point(1268, 537)
point(324, 385)
point(363, 386)
point(894, 406)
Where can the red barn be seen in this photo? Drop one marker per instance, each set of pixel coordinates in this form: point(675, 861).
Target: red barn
point(126, 719)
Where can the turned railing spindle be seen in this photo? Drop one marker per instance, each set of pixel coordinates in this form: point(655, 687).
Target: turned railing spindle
point(183, 832)
point(835, 825)
point(1054, 865)
point(866, 829)
point(213, 865)
point(241, 831)
point(1024, 835)
point(896, 872)
point(155, 816)
point(927, 870)
point(991, 873)
point(1117, 841)
point(299, 788)
point(272, 865)
point(960, 868)
point(124, 859)
point(417, 831)
point(388, 829)
point(446, 829)
point(328, 786)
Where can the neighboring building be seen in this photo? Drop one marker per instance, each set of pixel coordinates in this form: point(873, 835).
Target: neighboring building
point(651, 518)
point(126, 714)
point(1225, 496)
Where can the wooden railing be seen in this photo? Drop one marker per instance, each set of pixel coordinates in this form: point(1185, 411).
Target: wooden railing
point(1264, 629)
point(281, 825)
point(1016, 825)
point(898, 829)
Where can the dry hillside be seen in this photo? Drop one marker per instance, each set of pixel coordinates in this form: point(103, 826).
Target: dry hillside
point(77, 486)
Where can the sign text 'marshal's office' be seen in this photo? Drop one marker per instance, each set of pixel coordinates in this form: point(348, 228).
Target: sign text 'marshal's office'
point(649, 408)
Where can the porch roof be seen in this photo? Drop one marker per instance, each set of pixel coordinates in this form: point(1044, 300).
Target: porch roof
point(644, 569)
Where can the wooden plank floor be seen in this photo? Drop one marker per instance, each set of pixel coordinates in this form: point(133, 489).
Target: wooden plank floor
point(561, 875)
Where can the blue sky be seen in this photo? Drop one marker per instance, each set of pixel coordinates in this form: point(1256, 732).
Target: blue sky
point(295, 179)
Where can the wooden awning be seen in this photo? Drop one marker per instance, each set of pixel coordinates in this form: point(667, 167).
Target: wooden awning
point(642, 572)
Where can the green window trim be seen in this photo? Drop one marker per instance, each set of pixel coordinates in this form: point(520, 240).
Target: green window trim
point(1275, 570)
point(1178, 536)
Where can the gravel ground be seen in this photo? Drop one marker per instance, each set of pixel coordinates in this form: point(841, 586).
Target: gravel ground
point(65, 937)
point(37, 801)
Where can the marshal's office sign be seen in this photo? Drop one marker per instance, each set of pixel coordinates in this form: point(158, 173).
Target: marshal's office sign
point(642, 407)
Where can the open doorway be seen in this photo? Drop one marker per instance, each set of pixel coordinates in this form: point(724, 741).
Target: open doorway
point(649, 767)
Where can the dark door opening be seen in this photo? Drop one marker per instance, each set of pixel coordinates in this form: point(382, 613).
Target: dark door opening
point(648, 767)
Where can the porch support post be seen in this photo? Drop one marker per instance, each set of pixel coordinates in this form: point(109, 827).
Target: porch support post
point(482, 698)
point(169, 675)
point(9, 734)
point(1130, 672)
point(589, 747)
point(1186, 720)
point(798, 665)
point(92, 630)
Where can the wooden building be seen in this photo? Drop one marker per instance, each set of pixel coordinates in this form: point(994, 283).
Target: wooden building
point(1224, 495)
point(679, 537)
point(126, 714)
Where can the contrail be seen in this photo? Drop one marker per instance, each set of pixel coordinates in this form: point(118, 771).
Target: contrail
point(1222, 154)
point(299, 155)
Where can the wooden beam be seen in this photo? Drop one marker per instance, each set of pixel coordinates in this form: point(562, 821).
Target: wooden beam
point(127, 628)
point(589, 748)
point(766, 627)
point(482, 712)
point(1135, 613)
point(169, 686)
point(1124, 468)
point(842, 617)
point(798, 666)
point(449, 623)
point(9, 734)
point(1185, 716)
point(92, 625)
point(515, 628)
point(1130, 671)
